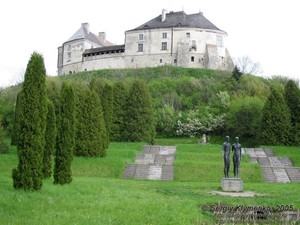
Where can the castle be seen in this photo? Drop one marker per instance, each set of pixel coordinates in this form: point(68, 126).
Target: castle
point(174, 38)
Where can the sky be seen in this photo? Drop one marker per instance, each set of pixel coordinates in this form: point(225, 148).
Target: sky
point(265, 31)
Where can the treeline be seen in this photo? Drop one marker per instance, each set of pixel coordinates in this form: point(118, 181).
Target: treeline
point(192, 102)
point(73, 119)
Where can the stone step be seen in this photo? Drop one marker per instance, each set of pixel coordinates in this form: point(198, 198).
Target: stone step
point(281, 175)
point(294, 174)
point(154, 163)
point(264, 161)
point(269, 152)
point(259, 152)
point(268, 174)
point(275, 162)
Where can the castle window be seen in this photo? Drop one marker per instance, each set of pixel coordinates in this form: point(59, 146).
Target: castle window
point(194, 45)
point(164, 35)
point(69, 57)
point(140, 47)
point(164, 46)
point(160, 60)
point(188, 35)
point(175, 60)
point(69, 47)
point(192, 58)
point(141, 37)
point(219, 40)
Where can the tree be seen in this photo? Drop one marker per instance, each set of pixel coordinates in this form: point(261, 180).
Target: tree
point(275, 123)
point(244, 118)
point(66, 136)
point(236, 73)
point(50, 140)
point(18, 118)
point(107, 107)
point(292, 99)
point(139, 114)
point(31, 138)
point(246, 65)
point(91, 139)
point(3, 145)
point(119, 111)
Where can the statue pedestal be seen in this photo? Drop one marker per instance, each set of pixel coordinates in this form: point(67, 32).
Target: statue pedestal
point(232, 184)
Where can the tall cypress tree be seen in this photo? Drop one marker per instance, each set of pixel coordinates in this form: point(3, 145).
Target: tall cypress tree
point(66, 136)
point(91, 137)
point(292, 99)
point(275, 124)
point(50, 140)
point(119, 112)
point(107, 106)
point(18, 118)
point(139, 114)
point(32, 125)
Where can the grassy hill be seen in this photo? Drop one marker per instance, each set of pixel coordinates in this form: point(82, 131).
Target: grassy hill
point(99, 195)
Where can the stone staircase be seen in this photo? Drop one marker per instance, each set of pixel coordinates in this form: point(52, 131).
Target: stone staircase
point(154, 163)
point(274, 169)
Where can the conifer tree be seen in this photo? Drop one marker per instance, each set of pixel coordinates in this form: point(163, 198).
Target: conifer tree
point(292, 99)
point(18, 118)
point(236, 73)
point(119, 111)
point(50, 140)
point(91, 139)
point(107, 106)
point(275, 124)
point(32, 124)
point(66, 136)
point(139, 114)
point(3, 145)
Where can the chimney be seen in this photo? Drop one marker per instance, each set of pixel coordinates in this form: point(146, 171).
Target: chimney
point(86, 27)
point(102, 36)
point(163, 15)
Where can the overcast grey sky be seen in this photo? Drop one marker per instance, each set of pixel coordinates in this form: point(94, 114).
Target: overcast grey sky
point(266, 31)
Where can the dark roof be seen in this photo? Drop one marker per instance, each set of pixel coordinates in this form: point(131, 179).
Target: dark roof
point(111, 48)
point(179, 19)
point(83, 33)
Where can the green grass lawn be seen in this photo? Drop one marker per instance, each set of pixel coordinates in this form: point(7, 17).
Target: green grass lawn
point(99, 195)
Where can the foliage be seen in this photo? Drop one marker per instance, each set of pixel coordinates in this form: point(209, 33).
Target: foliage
point(139, 114)
point(107, 108)
point(236, 73)
point(275, 123)
point(31, 137)
point(66, 136)
point(91, 139)
point(50, 137)
point(292, 99)
point(194, 123)
point(244, 118)
point(166, 121)
point(119, 111)
point(18, 118)
point(3, 145)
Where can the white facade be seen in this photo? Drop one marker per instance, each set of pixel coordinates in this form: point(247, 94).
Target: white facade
point(149, 47)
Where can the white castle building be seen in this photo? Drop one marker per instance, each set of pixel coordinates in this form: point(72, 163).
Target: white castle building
point(173, 38)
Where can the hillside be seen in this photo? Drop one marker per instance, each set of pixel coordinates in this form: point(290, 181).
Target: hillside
point(207, 100)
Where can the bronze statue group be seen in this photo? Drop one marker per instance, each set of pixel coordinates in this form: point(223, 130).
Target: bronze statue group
point(237, 156)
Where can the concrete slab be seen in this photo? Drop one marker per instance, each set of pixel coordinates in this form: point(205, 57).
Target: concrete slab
point(281, 175)
point(155, 172)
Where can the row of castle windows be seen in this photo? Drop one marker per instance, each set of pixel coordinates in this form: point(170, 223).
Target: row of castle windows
point(164, 46)
point(164, 36)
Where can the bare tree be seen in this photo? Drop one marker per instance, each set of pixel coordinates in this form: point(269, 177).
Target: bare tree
point(246, 65)
point(18, 78)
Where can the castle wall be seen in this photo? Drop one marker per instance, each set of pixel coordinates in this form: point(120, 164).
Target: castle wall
point(184, 47)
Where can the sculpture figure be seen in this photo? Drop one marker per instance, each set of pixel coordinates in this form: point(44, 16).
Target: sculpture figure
point(226, 154)
point(237, 156)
